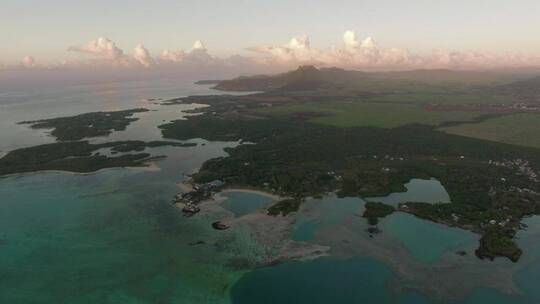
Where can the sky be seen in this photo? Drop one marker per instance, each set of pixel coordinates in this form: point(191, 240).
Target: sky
point(54, 31)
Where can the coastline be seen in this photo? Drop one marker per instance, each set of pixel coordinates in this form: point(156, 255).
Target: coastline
point(152, 167)
point(187, 186)
point(253, 191)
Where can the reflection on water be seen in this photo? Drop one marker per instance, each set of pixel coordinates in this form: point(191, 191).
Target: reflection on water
point(427, 242)
point(325, 280)
point(241, 203)
point(416, 254)
point(31, 104)
point(109, 237)
point(326, 212)
point(418, 190)
point(114, 236)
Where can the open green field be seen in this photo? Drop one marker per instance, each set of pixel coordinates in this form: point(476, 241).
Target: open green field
point(445, 98)
point(360, 114)
point(518, 129)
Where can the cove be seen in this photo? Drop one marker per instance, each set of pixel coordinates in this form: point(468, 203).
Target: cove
point(426, 241)
point(418, 190)
point(242, 203)
point(324, 280)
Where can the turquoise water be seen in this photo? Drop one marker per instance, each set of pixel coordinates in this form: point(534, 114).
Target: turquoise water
point(355, 280)
point(242, 203)
point(418, 190)
point(528, 279)
point(325, 280)
point(330, 211)
point(305, 231)
point(491, 296)
point(114, 236)
point(426, 241)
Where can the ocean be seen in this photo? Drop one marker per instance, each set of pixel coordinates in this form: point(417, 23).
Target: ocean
point(115, 237)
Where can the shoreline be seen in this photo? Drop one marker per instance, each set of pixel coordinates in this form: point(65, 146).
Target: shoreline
point(149, 168)
point(253, 191)
point(186, 186)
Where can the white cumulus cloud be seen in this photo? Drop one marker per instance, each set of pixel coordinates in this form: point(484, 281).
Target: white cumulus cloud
point(142, 56)
point(102, 47)
point(354, 52)
point(28, 62)
point(197, 55)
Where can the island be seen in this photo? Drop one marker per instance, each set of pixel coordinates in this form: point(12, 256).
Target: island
point(318, 131)
point(86, 125)
point(375, 210)
point(208, 81)
point(79, 156)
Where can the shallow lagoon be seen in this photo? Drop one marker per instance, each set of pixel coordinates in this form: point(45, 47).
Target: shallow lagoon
point(114, 237)
point(110, 237)
point(242, 203)
point(426, 241)
point(418, 190)
point(325, 280)
point(335, 222)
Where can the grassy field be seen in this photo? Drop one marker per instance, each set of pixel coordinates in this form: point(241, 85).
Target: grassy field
point(518, 129)
point(382, 115)
point(445, 98)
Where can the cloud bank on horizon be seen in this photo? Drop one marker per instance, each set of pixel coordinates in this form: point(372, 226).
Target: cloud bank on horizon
point(355, 53)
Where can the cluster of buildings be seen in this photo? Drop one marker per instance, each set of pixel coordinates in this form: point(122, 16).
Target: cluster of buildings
point(522, 106)
point(522, 165)
point(526, 107)
point(200, 193)
point(388, 157)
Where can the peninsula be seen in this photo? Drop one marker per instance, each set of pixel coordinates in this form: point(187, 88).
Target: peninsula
point(310, 135)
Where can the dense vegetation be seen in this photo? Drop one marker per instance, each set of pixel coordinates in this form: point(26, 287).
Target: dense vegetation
point(370, 114)
point(518, 129)
point(82, 156)
point(67, 156)
point(284, 207)
point(374, 211)
point(289, 153)
point(358, 134)
point(497, 242)
point(527, 90)
point(138, 145)
point(86, 125)
point(208, 81)
point(78, 156)
point(309, 78)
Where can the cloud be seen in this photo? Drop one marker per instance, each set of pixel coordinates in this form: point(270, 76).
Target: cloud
point(297, 50)
point(350, 40)
point(198, 45)
point(367, 55)
point(28, 62)
point(142, 56)
point(354, 53)
point(102, 47)
point(173, 56)
point(197, 55)
point(109, 54)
